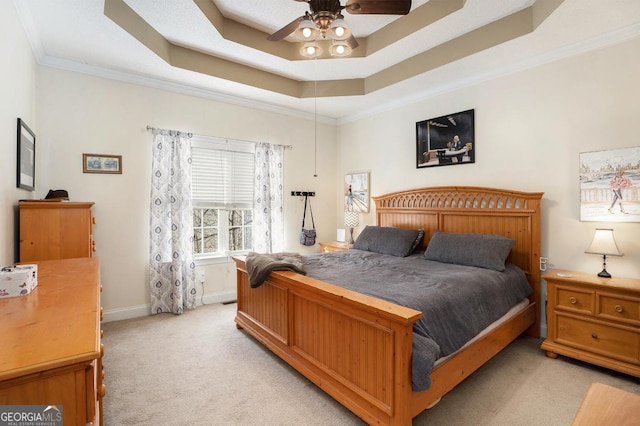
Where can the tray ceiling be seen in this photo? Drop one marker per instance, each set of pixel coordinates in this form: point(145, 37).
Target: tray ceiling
point(218, 48)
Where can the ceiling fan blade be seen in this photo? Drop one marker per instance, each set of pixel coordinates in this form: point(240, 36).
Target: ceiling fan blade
point(378, 7)
point(286, 30)
point(352, 42)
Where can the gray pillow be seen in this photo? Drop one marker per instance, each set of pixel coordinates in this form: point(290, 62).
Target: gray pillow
point(385, 240)
point(482, 250)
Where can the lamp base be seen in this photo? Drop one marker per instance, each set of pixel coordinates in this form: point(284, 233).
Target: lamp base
point(604, 273)
point(351, 236)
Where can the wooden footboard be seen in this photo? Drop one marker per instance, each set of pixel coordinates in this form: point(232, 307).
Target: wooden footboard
point(355, 347)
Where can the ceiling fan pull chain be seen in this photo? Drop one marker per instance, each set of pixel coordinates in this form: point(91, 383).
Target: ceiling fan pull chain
point(315, 121)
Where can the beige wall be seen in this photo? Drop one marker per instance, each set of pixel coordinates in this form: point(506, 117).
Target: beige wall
point(84, 114)
point(17, 99)
point(530, 128)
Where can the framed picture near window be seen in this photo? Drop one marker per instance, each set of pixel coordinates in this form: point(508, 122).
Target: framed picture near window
point(610, 185)
point(356, 192)
point(101, 163)
point(446, 141)
point(26, 166)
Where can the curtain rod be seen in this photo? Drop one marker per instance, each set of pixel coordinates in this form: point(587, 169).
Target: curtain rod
point(151, 128)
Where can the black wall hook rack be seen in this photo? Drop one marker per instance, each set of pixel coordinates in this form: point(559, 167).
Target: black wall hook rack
point(303, 194)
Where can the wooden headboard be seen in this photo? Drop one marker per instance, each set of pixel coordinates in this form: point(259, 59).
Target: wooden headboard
point(465, 209)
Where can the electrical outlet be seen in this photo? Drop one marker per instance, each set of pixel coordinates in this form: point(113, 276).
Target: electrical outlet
point(543, 264)
point(201, 276)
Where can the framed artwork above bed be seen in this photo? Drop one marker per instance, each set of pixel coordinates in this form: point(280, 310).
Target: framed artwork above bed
point(446, 141)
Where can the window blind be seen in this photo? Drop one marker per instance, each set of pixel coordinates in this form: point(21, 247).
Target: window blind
point(222, 173)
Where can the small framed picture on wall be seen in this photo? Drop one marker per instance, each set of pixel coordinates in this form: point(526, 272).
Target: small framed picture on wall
point(101, 163)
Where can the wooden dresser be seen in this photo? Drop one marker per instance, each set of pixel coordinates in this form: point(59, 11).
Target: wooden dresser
point(51, 351)
point(55, 230)
point(594, 319)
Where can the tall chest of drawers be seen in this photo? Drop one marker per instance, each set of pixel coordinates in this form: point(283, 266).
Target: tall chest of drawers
point(55, 230)
point(593, 319)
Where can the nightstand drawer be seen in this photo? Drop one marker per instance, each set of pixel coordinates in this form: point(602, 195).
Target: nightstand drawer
point(599, 338)
point(619, 308)
point(575, 300)
point(334, 246)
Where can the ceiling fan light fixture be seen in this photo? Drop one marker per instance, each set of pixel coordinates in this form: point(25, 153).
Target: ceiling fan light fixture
point(307, 30)
point(340, 48)
point(311, 50)
point(339, 29)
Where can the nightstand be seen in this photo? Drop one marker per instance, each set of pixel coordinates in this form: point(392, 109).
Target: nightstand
point(334, 246)
point(593, 319)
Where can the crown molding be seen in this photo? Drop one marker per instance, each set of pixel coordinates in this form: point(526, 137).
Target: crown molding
point(600, 42)
point(172, 86)
point(584, 46)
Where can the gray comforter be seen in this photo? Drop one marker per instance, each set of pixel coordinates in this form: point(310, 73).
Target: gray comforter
point(457, 302)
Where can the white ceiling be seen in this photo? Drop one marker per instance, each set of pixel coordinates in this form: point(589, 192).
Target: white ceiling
point(76, 35)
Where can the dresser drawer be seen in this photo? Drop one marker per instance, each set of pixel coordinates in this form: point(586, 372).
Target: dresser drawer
point(602, 339)
point(619, 308)
point(575, 300)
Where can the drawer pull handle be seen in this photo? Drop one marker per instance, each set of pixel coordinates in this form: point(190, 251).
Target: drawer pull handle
point(619, 309)
point(594, 335)
point(573, 300)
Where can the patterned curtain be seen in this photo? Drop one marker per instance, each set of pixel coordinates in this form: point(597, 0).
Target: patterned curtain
point(172, 270)
point(268, 227)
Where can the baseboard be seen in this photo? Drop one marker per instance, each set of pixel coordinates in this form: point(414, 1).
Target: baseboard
point(218, 298)
point(543, 331)
point(120, 314)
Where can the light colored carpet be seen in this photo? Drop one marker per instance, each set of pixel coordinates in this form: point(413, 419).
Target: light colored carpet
point(198, 369)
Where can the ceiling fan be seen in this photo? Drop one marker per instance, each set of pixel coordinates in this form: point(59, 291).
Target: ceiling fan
point(326, 20)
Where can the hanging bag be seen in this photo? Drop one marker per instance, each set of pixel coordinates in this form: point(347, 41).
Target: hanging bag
point(308, 236)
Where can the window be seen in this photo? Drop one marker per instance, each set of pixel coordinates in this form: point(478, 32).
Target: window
point(222, 192)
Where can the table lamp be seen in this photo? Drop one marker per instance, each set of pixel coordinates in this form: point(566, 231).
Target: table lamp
point(605, 244)
point(351, 220)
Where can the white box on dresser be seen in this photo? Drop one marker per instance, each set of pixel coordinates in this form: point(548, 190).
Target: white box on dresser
point(18, 280)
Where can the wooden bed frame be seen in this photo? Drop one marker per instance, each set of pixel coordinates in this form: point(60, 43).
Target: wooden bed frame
point(358, 348)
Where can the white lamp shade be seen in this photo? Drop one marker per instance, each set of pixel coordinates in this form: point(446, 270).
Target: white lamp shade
point(311, 50)
point(307, 31)
point(604, 243)
point(340, 48)
point(339, 30)
point(351, 219)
